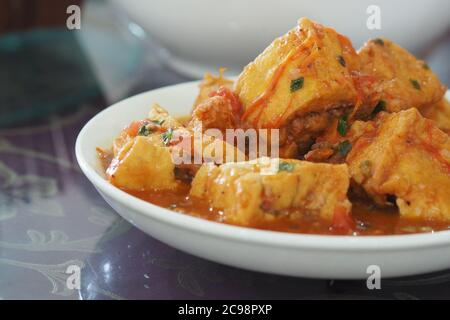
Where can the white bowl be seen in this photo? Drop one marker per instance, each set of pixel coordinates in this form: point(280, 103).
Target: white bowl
point(203, 35)
point(316, 256)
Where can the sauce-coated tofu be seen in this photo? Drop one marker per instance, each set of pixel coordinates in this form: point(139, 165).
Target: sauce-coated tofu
point(247, 191)
point(397, 77)
point(143, 163)
point(158, 120)
point(300, 83)
point(440, 114)
point(404, 158)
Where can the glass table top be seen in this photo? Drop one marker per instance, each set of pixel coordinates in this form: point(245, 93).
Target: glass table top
point(52, 218)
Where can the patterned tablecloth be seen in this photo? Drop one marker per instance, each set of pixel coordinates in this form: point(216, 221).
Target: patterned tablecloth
point(51, 218)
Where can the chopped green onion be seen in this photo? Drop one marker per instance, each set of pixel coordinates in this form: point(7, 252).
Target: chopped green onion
point(379, 41)
point(344, 148)
point(415, 83)
point(343, 126)
point(144, 130)
point(286, 166)
point(381, 106)
point(341, 60)
point(167, 136)
point(297, 84)
point(158, 122)
point(366, 167)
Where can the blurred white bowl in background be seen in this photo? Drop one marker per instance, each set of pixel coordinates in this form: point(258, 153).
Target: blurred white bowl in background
point(203, 35)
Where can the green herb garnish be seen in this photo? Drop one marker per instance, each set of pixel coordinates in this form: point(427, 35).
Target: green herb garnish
point(366, 167)
point(343, 125)
point(381, 106)
point(158, 122)
point(415, 83)
point(297, 84)
point(167, 136)
point(341, 60)
point(144, 130)
point(344, 147)
point(286, 166)
point(426, 66)
point(379, 41)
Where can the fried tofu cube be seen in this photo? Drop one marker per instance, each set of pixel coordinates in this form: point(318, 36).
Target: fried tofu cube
point(197, 148)
point(440, 114)
point(143, 163)
point(160, 115)
point(264, 188)
point(305, 74)
point(405, 158)
point(163, 152)
point(397, 77)
point(158, 120)
point(190, 142)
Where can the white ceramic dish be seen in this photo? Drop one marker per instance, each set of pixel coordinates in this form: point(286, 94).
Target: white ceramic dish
point(315, 256)
point(203, 35)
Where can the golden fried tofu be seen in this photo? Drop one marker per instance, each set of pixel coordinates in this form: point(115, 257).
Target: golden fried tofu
point(158, 120)
point(192, 145)
point(160, 115)
point(300, 83)
point(440, 114)
point(196, 148)
point(122, 139)
point(405, 158)
point(397, 78)
point(153, 152)
point(265, 188)
point(211, 84)
point(143, 163)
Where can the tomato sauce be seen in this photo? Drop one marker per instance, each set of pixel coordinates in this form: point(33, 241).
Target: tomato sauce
point(368, 219)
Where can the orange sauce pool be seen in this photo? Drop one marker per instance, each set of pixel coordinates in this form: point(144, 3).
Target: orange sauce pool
point(369, 219)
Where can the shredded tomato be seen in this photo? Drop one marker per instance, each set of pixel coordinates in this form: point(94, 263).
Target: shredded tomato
point(133, 128)
point(342, 221)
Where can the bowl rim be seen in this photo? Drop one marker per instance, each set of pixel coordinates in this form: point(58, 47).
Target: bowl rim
point(237, 233)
